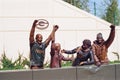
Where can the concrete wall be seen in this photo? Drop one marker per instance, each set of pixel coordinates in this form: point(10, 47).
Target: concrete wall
point(106, 72)
point(117, 76)
point(16, 75)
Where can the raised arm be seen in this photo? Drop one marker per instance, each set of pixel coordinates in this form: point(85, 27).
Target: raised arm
point(52, 52)
point(51, 36)
point(31, 37)
point(111, 36)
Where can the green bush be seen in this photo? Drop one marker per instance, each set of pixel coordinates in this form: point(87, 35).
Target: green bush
point(115, 62)
point(66, 63)
point(7, 64)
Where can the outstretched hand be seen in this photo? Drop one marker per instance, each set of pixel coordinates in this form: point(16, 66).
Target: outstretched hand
point(98, 64)
point(63, 51)
point(81, 63)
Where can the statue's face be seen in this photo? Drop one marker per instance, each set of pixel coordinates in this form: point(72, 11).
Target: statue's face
point(39, 38)
point(99, 40)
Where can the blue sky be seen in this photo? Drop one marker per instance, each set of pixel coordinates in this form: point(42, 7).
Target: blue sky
point(100, 1)
point(99, 6)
